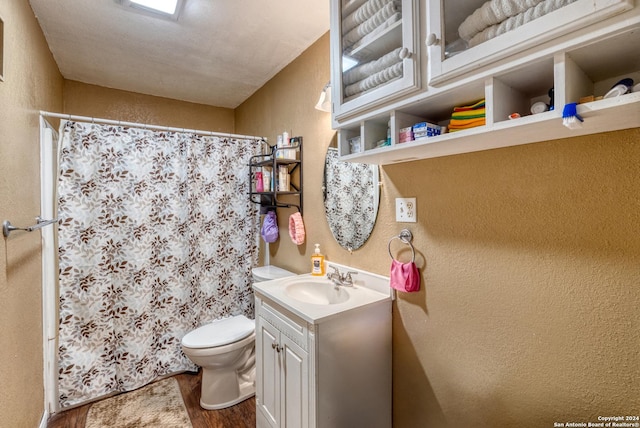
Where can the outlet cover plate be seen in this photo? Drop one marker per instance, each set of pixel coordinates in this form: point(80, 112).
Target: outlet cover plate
point(406, 210)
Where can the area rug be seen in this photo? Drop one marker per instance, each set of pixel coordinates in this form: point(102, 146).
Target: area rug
point(158, 405)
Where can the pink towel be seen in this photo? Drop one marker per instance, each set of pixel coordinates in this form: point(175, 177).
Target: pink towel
point(296, 228)
point(404, 276)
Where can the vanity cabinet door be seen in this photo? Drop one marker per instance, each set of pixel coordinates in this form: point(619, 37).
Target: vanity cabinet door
point(267, 375)
point(384, 49)
point(294, 379)
point(450, 56)
point(282, 375)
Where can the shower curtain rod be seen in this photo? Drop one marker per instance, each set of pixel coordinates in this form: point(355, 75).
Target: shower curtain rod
point(146, 126)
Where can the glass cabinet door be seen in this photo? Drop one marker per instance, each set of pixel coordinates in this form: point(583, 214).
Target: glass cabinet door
point(463, 35)
point(374, 53)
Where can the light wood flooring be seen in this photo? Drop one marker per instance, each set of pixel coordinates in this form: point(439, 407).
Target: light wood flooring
point(242, 415)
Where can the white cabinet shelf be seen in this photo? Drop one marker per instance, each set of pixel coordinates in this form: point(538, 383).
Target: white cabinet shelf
point(585, 63)
point(384, 42)
point(599, 116)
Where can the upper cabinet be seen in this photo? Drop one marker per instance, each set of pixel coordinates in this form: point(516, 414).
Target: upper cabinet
point(489, 74)
point(464, 35)
point(375, 53)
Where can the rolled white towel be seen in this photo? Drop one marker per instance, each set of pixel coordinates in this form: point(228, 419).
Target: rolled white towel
point(374, 80)
point(364, 12)
point(367, 69)
point(541, 9)
point(369, 25)
point(491, 13)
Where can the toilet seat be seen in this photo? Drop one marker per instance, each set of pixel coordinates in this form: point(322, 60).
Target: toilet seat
point(220, 332)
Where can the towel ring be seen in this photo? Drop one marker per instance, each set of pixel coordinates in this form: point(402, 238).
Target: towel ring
point(405, 236)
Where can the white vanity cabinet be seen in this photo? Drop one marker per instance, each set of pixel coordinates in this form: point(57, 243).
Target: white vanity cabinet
point(451, 56)
point(381, 37)
point(328, 373)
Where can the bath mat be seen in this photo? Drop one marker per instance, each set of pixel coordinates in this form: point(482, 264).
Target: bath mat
point(158, 405)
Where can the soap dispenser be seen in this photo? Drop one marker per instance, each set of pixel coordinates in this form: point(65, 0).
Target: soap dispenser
point(317, 262)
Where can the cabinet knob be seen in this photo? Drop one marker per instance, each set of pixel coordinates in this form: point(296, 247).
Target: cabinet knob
point(404, 53)
point(277, 347)
point(432, 40)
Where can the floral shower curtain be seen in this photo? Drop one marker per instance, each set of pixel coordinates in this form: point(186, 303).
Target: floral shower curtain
point(157, 236)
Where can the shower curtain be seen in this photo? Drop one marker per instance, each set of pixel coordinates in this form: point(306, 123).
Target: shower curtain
point(156, 237)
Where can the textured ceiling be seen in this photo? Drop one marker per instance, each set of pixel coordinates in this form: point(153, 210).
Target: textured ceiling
point(219, 52)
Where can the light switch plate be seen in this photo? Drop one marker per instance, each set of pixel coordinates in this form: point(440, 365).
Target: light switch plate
point(406, 210)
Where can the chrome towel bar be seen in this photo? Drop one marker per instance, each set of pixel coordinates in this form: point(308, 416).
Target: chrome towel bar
point(7, 227)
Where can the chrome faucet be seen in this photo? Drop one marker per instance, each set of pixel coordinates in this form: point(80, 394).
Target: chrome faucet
point(340, 279)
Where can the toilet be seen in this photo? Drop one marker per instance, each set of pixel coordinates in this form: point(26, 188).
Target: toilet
point(225, 349)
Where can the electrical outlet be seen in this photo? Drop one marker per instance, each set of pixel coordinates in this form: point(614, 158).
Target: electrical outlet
point(406, 210)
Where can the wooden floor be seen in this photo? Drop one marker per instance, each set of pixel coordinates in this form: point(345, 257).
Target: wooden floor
point(241, 415)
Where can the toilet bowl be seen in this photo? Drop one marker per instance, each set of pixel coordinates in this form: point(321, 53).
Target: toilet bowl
point(225, 350)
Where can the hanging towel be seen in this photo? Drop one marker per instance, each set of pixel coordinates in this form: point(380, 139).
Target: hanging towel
point(296, 228)
point(269, 230)
point(404, 276)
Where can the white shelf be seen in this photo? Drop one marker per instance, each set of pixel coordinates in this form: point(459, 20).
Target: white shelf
point(383, 43)
point(599, 116)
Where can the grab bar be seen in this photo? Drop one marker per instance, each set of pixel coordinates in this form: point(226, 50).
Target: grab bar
point(7, 227)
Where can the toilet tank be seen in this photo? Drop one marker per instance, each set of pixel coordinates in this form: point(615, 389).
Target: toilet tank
point(269, 272)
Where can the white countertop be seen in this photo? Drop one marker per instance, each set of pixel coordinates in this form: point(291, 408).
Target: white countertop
point(368, 289)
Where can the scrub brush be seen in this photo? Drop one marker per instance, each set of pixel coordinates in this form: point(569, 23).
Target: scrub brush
point(570, 117)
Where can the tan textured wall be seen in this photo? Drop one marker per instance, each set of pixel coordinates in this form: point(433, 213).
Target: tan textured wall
point(287, 102)
point(31, 82)
point(105, 103)
point(528, 312)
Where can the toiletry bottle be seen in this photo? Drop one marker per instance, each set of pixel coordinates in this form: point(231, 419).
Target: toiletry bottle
point(259, 182)
point(279, 149)
point(317, 262)
point(286, 143)
point(266, 179)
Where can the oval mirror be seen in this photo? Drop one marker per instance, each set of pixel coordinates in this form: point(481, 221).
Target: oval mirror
point(351, 199)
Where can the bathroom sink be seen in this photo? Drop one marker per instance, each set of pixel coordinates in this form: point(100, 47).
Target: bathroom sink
point(315, 299)
point(317, 291)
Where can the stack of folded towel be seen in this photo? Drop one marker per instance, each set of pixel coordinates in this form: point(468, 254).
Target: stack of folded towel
point(370, 18)
point(466, 117)
point(496, 17)
point(365, 23)
point(373, 74)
